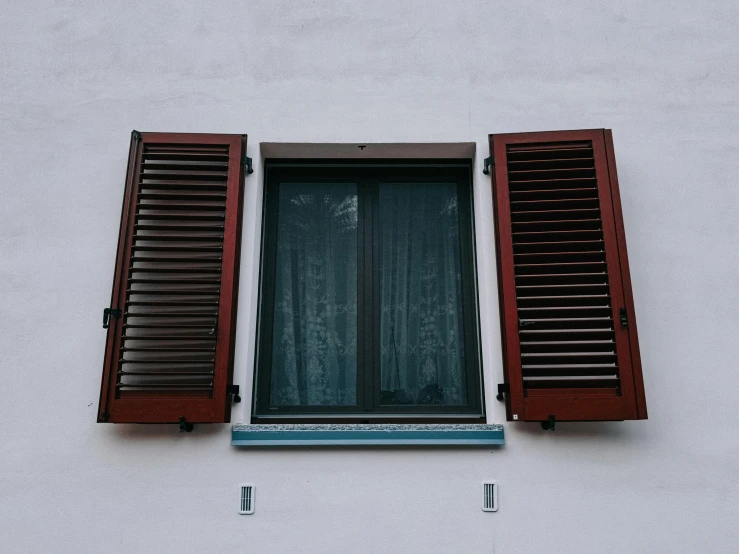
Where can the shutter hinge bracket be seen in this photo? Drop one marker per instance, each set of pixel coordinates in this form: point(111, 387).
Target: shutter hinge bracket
point(234, 390)
point(503, 388)
point(623, 318)
point(246, 162)
point(108, 313)
point(135, 135)
point(549, 424)
point(487, 163)
point(185, 426)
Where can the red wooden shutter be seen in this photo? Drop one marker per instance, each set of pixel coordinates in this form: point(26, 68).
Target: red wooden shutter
point(570, 346)
point(169, 354)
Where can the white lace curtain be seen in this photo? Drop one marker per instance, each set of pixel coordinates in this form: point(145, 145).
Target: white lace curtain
point(421, 341)
point(314, 352)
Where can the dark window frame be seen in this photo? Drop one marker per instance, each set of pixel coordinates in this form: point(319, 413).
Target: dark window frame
point(367, 174)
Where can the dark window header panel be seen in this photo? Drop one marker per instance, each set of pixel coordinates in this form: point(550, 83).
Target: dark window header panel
point(369, 150)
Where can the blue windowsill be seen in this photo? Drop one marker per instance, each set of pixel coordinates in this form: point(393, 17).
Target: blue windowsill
point(377, 434)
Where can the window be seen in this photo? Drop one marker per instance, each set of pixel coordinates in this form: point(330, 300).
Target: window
point(570, 345)
point(367, 304)
point(368, 293)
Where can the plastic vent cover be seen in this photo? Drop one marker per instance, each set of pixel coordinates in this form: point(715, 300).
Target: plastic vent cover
point(489, 496)
point(246, 505)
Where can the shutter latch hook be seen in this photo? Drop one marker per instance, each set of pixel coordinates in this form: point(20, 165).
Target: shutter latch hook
point(108, 313)
point(234, 390)
point(623, 318)
point(487, 163)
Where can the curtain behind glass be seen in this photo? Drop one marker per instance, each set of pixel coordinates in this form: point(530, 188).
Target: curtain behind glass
point(422, 346)
point(314, 345)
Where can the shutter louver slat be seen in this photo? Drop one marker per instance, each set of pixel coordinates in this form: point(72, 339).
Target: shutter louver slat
point(560, 282)
point(170, 353)
point(583, 221)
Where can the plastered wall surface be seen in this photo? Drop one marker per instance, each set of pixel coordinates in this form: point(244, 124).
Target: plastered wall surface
point(75, 78)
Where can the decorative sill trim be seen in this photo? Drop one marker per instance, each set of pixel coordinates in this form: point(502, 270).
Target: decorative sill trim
point(378, 434)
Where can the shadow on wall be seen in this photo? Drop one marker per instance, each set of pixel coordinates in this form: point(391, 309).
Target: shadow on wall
point(156, 431)
point(632, 432)
point(614, 432)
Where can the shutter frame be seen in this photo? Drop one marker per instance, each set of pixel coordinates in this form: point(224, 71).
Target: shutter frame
point(568, 403)
point(165, 406)
point(636, 368)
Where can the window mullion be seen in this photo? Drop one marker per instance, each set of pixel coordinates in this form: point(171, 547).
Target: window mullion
point(375, 308)
point(366, 296)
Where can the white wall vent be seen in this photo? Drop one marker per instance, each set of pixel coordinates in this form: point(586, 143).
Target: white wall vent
point(247, 499)
point(489, 496)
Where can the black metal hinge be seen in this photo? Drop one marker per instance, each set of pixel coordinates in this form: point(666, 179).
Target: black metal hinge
point(136, 135)
point(503, 388)
point(108, 313)
point(234, 390)
point(549, 424)
point(488, 162)
point(246, 161)
point(623, 318)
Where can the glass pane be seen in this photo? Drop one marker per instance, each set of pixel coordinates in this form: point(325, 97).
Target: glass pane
point(421, 332)
point(314, 345)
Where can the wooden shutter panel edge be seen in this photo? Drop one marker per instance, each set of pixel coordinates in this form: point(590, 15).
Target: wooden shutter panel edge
point(236, 278)
point(237, 266)
point(514, 396)
point(103, 415)
point(581, 407)
point(166, 408)
point(636, 368)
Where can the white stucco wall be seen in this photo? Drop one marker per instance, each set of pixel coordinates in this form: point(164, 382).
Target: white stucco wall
point(77, 77)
